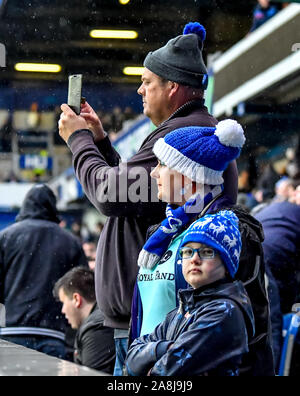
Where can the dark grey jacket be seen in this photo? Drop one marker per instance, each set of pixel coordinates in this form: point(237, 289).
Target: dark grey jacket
point(34, 253)
point(94, 344)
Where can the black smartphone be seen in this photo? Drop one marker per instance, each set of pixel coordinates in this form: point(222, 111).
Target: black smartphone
point(74, 92)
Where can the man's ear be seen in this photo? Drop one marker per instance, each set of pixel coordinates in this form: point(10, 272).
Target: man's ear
point(174, 87)
point(77, 299)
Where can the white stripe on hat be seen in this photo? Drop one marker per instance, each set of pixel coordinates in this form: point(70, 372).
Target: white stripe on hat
point(174, 159)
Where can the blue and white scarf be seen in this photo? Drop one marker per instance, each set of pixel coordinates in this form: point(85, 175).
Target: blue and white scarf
point(176, 219)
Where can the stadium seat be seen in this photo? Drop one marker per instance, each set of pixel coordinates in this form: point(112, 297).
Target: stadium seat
point(291, 323)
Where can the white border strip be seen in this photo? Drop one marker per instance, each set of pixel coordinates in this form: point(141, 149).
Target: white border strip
point(255, 37)
point(257, 84)
point(11, 331)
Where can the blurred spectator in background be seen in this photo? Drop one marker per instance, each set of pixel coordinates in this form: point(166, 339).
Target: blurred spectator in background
point(94, 343)
point(90, 250)
point(34, 253)
point(248, 176)
point(128, 113)
point(265, 189)
point(267, 181)
point(57, 139)
point(99, 228)
point(33, 117)
point(6, 131)
point(295, 197)
point(117, 119)
point(293, 166)
point(247, 182)
point(76, 229)
point(281, 246)
point(280, 219)
point(114, 122)
point(283, 189)
point(12, 178)
point(106, 120)
point(262, 13)
point(63, 224)
point(246, 200)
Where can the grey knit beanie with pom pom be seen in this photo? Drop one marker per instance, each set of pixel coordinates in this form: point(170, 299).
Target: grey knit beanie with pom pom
point(180, 60)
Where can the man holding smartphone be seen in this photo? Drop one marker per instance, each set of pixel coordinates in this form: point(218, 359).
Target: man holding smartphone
point(172, 89)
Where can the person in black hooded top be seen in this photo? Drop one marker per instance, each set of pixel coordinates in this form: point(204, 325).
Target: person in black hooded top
point(34, 253)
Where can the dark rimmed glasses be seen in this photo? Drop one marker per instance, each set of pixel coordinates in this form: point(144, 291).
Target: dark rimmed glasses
point(205, 253)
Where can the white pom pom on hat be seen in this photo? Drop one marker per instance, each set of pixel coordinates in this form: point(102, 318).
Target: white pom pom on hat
point(201, 153)
point(230, 133)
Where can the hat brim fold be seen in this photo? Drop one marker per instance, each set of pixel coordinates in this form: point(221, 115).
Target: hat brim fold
point(184, 165)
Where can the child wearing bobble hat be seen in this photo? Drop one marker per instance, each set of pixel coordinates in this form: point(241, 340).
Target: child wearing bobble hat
point(189, 176)
point(209, 333)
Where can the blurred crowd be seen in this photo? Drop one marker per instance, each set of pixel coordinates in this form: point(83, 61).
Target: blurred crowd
point(117, 120)
point(113, 122)
point(86, 237)
point(275, 181)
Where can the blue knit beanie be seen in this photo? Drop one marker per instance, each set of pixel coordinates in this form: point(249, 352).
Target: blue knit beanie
point(221, 232)
point(201, 153)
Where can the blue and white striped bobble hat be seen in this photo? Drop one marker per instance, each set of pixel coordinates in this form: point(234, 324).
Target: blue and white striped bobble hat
point(221, 232)
point(202, 153)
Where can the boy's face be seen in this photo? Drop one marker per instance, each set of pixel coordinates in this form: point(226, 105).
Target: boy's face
point(200, 272)
point(170, 183)
point(69, 309)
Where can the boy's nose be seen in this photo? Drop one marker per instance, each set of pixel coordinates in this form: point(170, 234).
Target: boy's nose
point(196, 258)
point(155, 174)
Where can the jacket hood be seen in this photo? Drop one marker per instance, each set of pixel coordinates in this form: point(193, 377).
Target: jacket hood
point(245, 217)
point(39, 203)
point(226, 289)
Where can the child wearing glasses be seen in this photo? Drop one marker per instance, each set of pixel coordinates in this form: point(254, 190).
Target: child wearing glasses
point(209, 333)
point(189, 178)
